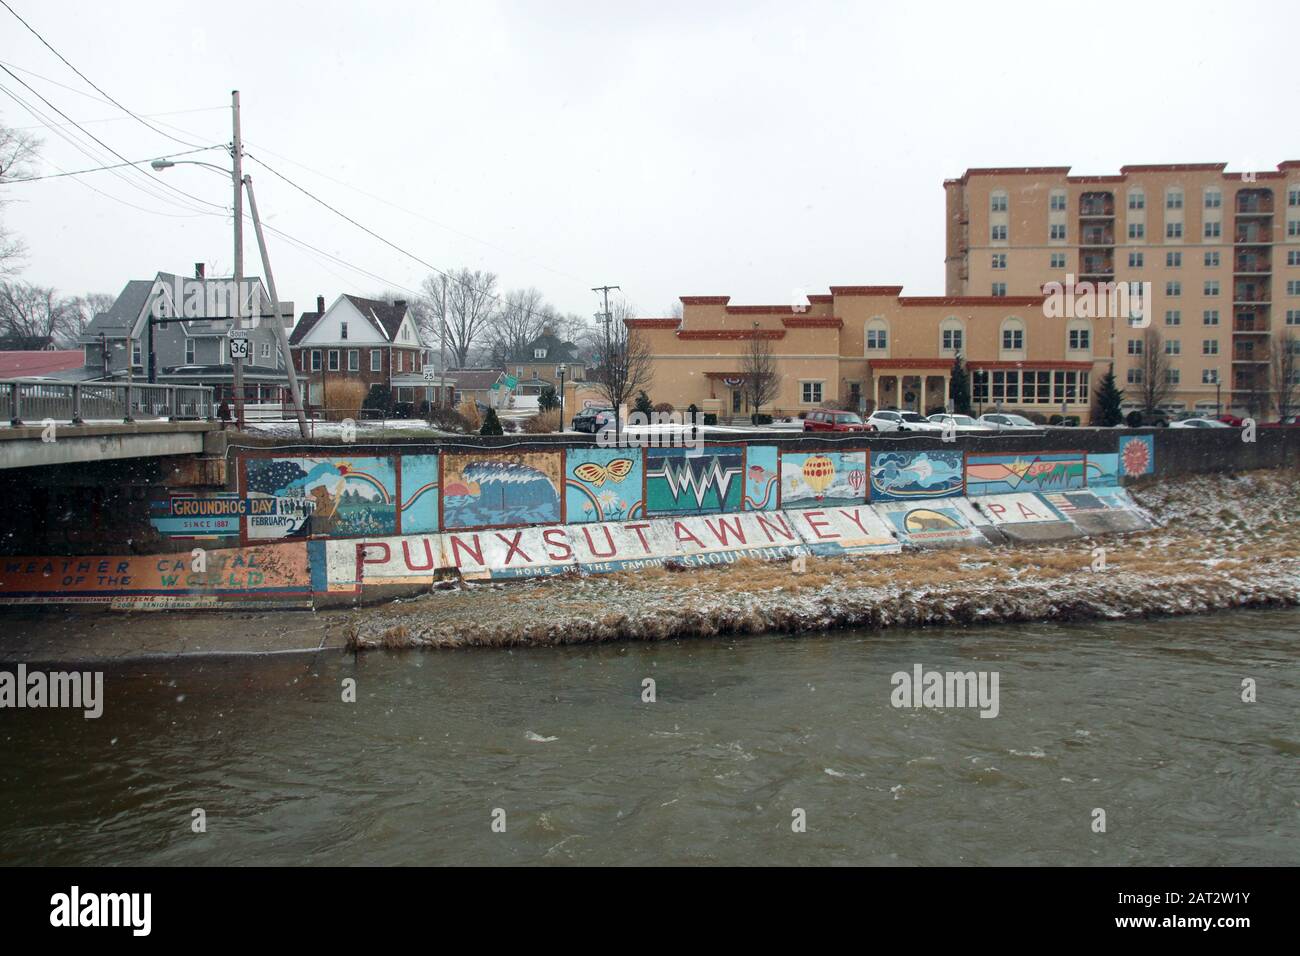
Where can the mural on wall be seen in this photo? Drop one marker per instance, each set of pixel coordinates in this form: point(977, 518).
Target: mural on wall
point(903, 476)
point(1007, 474)
point(762, 478)
point(929, 525)
point(195, 518)
point(1103, 470)
point(339, 496)
point(823, 479)
point(420, 493)
point(602, 484)
point(501, 488)
point(685, 481)
point(1137, 455)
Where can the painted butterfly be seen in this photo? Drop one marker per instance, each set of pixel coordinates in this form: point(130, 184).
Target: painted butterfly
point(615, 471)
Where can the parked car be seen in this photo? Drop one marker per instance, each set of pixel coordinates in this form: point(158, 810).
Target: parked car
point(1291, 421)
point(891, 421)
point(1002, 421)
point(1233, 421)
point(1140, 418)
point(1198, 423)
point(593, 419)
point(830, 420)
point(961, 423)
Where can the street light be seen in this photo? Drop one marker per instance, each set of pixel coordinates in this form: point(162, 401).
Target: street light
point(560, 371)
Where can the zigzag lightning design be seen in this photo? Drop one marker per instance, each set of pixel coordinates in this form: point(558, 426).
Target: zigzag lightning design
point(684, 479)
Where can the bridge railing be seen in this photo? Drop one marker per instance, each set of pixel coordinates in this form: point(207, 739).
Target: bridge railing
point(30, 401)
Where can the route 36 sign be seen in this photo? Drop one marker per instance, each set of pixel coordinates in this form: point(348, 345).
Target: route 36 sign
point(239, 344)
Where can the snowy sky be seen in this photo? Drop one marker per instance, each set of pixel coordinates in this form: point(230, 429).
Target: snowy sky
point(748, 149)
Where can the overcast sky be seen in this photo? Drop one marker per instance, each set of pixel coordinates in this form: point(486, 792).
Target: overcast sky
point(694, 148)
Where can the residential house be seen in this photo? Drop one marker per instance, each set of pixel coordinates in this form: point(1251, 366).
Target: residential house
point(536, 365)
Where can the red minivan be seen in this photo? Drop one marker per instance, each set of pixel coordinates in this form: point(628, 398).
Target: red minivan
point(829, 420)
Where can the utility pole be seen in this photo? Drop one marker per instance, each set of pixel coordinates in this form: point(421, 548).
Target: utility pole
point(442, 349)
point(605, 290)
point(276, 323)
point(237, 180)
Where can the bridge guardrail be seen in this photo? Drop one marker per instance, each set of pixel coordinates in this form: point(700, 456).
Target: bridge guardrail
point(28, 401)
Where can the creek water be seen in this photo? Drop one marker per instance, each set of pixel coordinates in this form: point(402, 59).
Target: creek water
point(1143, 720)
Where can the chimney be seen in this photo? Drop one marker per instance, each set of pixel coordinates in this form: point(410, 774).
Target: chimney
point(399, 303)
point(320, 304)
point(198, 270)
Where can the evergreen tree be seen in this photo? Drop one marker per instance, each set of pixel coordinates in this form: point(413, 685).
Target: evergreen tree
point(1107, 401)
point(643, 404)
point(491, 424)
point(959, 387)
point(548, 399)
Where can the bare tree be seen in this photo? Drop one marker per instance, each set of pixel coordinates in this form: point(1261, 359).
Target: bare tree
point(762, 380)
point(471, 306)
point(83, 309)
point(1285, 368)
point(522, 316)
point(1155, 387)
point(624, 364)
point(34, 314)
point(17, 155)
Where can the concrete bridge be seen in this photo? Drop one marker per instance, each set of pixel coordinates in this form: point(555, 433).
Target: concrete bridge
point(46, 422)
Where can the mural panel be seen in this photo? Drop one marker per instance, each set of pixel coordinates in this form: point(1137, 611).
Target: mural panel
point(420, 493)
point(929, 525)
point(340, 496)
point(1102, 470)
point(602, 548)
point(501, 488)
point(723, 538)
point(509, 552)
point(843, 531)
point(905, 476)
point(1137, 455)
point(762, 478)
point(1032, 471)
point(1018, 509)
point(602, 484)
point(823, 479)
point(689, 481)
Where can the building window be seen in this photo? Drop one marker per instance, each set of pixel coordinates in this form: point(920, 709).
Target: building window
point(135, 354)
point(1292, 287)
point(1173, 317)
point(266, 350)
point(999, 289)
point(1079, 340)
point(343, 331)
point(1173, 347)
point(1173, 288)
point(1211, 259)
point(1057, 231)
point(315, 360)
point(1173, 260)
point(1136, 260)
point(1209, 376)
point(811, 393)
point(1134, 346)
point(999, 260)
point(1137, 199)
point(998, 202)
point(1135, 376)
point(1293, 227)
point(189, 351)
point(998, 233)
point(1172, 376)
point(1212, 287)
point(877, 339)
point(1057, 202)
point(354, 360)
point(1213, 199)
point(334, 360)
point(1058, 260)
point(1136, 230)
point(1210, 317)
point(1173, 199)
point(398, 367)
point(539, 353)
point(1013, 335)
point(1293, 316)
point(1212, 230)
point(951, 335)
point(1293, 257)
point(376, 360)
point(1173, 230)
point(1210, 347)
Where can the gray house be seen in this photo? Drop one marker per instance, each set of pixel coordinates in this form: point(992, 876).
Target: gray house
point(190, 333)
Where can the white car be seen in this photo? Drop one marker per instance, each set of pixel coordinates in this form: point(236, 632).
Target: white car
point(889, 421)
point(960, 423)
point(1001, 421)
point(1198, 423)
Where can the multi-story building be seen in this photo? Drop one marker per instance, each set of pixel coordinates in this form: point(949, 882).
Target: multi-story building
point(870, 347)
point(1221, 251)
point(537, 364)
point(364, 340)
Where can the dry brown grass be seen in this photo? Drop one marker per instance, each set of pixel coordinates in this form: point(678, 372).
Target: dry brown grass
point(469, 412)
point(543, 423)
point(343, 398)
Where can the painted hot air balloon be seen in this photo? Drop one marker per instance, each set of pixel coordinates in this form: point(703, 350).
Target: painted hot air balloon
point(857, 478)
point(818, 473)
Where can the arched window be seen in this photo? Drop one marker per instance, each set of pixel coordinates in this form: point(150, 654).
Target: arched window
point(1012, 337)
point(877, 337)
point(952, 336)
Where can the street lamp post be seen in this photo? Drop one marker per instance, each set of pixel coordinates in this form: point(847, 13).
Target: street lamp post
point(560, 371)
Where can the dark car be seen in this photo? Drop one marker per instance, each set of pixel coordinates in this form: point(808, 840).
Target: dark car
point(593, 419)
point(829, 420)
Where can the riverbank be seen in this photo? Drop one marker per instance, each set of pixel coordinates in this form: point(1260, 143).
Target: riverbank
point(1223, 542)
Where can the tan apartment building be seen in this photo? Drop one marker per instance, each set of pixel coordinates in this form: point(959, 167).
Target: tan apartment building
point(871, 346)
point(1221, 251)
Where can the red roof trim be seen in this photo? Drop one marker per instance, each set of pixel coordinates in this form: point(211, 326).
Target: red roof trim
point(972, 300)
point(909, 363)
point(813, 322)
point(866, 290)
point(1016, 171)
point(759, 309)
point(705, 299)
point(731, 333)
point(1174, 168)
point(1031, 365)
point(652, 323)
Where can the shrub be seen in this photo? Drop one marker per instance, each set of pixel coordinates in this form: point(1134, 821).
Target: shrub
point(1038, 418)
point(666, 407)
point(491, 424)
point(548, 399)
point(545, 423)
point(710, 418)
point(469, 412)
point(761, 419)
point(643, 405)
point(1133, 419)
point(344, 398)
point(449, 420)
point(379, 398)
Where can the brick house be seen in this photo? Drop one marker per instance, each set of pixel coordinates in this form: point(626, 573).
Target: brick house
point(365, 340)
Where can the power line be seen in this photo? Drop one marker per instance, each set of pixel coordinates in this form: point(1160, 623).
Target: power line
point(122, 119)
point(88, 80)
point(96, 169)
